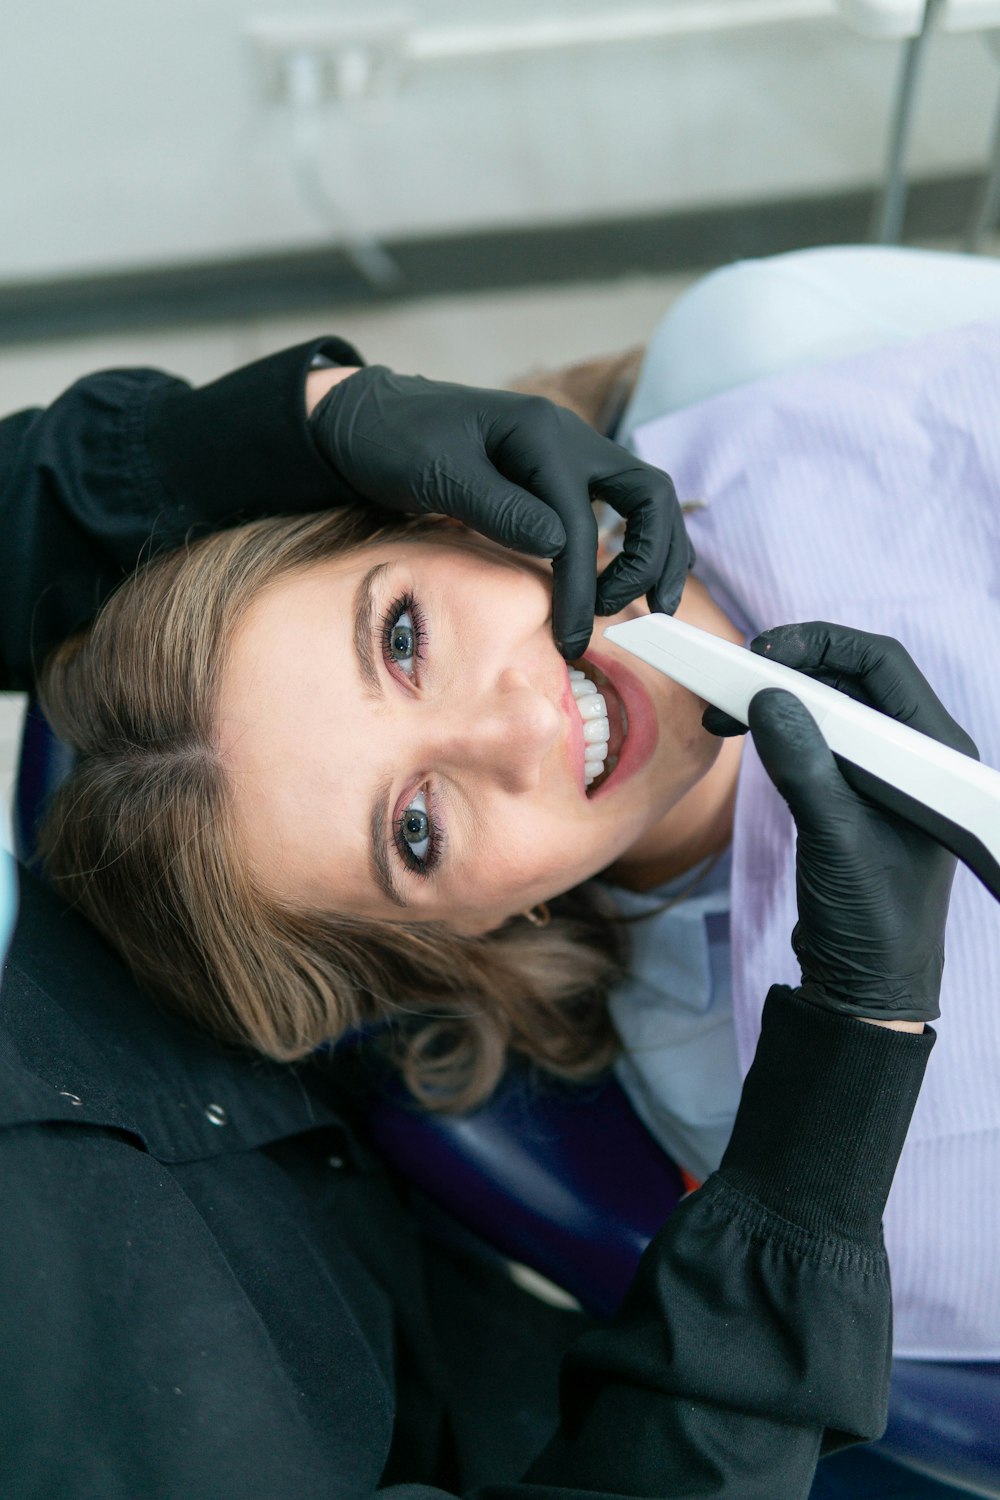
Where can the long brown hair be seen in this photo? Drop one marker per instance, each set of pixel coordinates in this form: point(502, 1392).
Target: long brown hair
point(142, 838)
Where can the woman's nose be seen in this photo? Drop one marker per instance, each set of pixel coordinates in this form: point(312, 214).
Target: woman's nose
point(505, 732)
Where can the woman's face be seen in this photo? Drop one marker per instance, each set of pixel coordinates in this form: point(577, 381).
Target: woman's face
point(403, 743)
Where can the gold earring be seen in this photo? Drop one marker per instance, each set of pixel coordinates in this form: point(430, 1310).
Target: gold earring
point(538, 916)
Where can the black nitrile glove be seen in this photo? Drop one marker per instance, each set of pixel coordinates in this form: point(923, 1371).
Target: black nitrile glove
point(872, 888)
point(519, 469)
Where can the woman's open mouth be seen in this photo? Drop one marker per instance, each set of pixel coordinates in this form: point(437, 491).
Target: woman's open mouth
point(605, 722)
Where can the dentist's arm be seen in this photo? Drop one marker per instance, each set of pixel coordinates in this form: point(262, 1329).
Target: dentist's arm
point(758, 1331)
point(128, 462)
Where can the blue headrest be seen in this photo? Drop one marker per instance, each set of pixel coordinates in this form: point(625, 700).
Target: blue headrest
point(44, 764)
point(563, 1177)
point(8, 901)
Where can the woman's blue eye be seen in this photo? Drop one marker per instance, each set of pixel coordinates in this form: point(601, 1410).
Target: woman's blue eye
point(403, 636)
point(402, 640)
point(415, 828)
point(416, 833)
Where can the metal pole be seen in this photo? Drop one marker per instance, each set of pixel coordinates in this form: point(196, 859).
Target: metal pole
point(985, 213)
point(887, 222)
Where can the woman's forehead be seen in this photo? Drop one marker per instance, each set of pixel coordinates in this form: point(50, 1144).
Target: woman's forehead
point(443, 546)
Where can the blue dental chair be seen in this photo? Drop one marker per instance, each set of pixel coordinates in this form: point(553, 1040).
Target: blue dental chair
point(567, 1181)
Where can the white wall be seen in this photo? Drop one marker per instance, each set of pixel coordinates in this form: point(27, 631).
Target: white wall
point(136, 134)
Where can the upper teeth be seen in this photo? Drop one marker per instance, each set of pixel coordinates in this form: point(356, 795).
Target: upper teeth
point(596, 725)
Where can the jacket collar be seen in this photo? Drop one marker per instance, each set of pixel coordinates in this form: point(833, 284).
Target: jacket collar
point(81, 1043)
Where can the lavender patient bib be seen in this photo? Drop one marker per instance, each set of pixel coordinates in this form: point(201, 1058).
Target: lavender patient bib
point(867, 492)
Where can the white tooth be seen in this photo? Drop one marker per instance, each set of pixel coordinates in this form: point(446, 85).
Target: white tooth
point(575, 675)
point(593, 707)
point(595, 731)
point(591, 780)
point(596, 752)
point(582, 688)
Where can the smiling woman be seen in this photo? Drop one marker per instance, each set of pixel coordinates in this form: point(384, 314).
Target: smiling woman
point(475, 793)
point(326, 763)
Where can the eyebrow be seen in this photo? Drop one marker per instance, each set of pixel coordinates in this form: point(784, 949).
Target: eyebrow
point(380, 862)
point(379, 859)
point(364, 630)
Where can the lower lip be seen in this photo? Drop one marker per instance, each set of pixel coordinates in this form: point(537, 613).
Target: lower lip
point(643, 728)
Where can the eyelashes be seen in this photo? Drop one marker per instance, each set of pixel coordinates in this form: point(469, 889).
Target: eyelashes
point(417, 832)
point(415, 828)
point(404, 634)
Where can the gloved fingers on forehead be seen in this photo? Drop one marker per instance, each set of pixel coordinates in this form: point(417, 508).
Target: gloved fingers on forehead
point(574, 588)
point(491, 504)
point(637, 569)
point(527, 436)
point(654, 556)
point(626, 482)
point(640, 486)
point(560, 495)
point(666, 595)
point(574, 568)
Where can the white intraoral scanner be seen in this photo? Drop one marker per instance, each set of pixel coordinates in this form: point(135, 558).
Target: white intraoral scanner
point(951, 796)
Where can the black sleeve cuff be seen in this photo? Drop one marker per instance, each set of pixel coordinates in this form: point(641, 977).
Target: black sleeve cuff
point(823, 1116)
point(240, 447)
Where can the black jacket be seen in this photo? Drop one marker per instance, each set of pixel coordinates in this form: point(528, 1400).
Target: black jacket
point(210, 1286)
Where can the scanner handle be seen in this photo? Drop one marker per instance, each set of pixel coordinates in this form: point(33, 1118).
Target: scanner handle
point(951, 796)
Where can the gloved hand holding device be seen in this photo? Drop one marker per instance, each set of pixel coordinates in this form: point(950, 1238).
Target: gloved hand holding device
point(519, 469)
point(872, 889)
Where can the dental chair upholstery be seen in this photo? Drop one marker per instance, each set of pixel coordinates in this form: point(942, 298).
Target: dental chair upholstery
point(566, 1180)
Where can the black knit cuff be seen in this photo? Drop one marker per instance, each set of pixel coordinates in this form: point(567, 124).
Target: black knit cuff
point(241, 447)
point(823, 1116)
